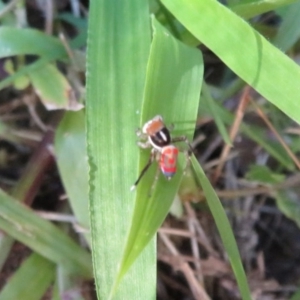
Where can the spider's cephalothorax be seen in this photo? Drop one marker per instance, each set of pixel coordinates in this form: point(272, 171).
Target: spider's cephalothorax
point(157, 132)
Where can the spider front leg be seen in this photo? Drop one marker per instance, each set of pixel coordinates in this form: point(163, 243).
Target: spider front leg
point(139, 133)
point(144, 145)
point(143, 139)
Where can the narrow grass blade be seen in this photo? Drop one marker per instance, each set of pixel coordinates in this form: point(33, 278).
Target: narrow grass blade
point(274, 148)
point(6, 242)
point(289, 30)
point(70, 152)
point(208, 101)
point(81, 27)
point(25, 70)
point(31, 280)
point(20, 41)
point(255, 133)
point(28, 184)
point(118, 49)
point(67, 287)
point(249, 9)
point(42, 236)
point(17, 41)
point(259, 63)
point(224, 229)
point(173, 85)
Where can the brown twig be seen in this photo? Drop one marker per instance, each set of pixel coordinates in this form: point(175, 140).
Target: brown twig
point(275, 132)
point(178, 263)
point(292, 181)
point(233, 131)
point(30, 102)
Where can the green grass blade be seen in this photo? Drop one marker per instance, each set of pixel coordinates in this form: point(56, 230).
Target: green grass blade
point(208, 101)
point(172, 89)
point(6, 242)
point(66, 286)
point(25, 70)
point(20, 41)
point(17, 41)
point(71, 156)
point(259, 63)
point(253, 132)
point(31, 280)
point(289, 30)
point(224, 229)
point(275, 149)
point(118, 49)
point(42, 236)
point(81, 26)
point(249, 9)
point(28, 184)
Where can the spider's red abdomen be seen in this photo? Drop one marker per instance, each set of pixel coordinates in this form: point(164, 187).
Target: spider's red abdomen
point(168, 160)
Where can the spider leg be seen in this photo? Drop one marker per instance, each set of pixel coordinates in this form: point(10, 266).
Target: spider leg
point(143, 141)
point(139, 133)
point(144, 145)
point(171, 127)
point(184, 139)
point(150, 161)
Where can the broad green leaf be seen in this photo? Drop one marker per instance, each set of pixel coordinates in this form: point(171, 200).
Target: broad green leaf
point(224, 229)
point(17, 41)
point(249, 9)
point(55, 93)
point(243, 50)
point(118, 49)
point(43, 237)
point(31, 280)
point(53, 88)
point(20, 41)
point(173, 85)
point(70, 152)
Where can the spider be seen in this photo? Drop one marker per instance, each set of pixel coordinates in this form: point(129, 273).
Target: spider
point(158, 137)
